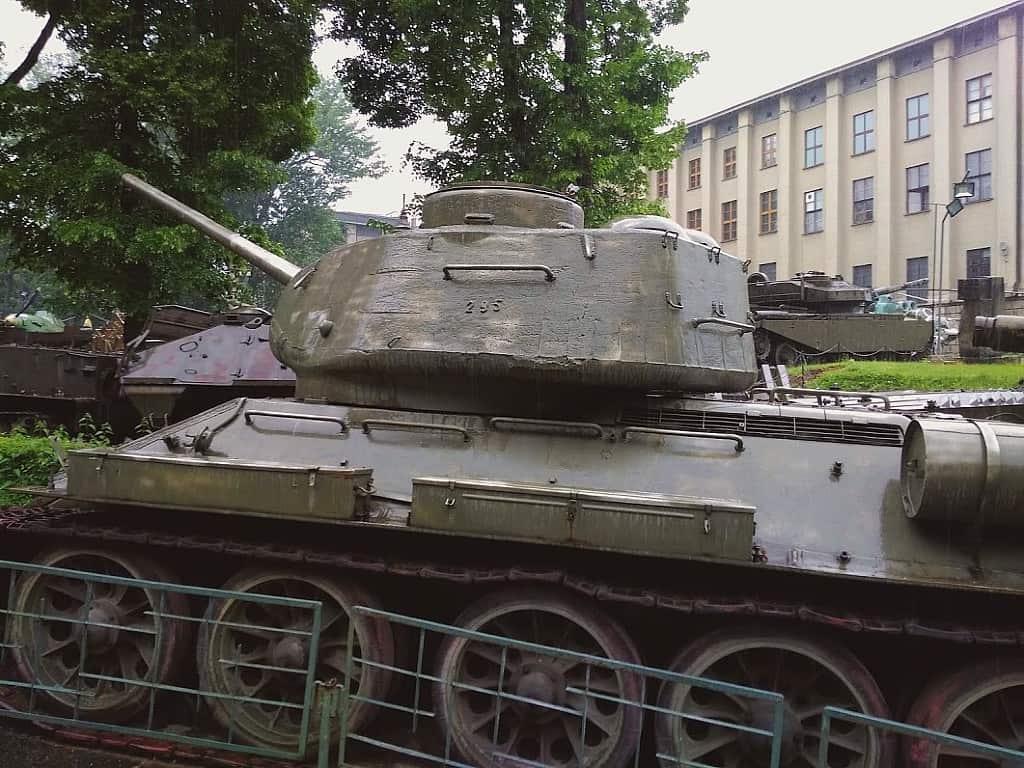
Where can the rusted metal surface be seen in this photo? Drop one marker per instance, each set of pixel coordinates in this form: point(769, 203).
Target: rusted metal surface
point(74, 523)
point(231, 358)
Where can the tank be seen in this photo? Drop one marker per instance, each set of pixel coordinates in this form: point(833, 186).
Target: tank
point(510, 422)
point(56, 372)
point(818, 316)
point(186, 361)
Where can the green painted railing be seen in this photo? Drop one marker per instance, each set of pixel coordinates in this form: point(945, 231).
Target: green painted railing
point(1002, 755)
point(325, 705)
point(74, 688)
point(337, 698)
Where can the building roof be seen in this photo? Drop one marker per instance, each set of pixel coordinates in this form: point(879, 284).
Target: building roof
point(859, 62)
point(362, 219)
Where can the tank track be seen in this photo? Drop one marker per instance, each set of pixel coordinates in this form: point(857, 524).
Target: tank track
point(74, 523)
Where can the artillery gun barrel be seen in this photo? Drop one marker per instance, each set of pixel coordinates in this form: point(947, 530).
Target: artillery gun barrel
point(281, 270)
point(1003, 333)
point(898, 287)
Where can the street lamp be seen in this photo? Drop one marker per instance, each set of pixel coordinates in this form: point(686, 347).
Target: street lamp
point(962, 190)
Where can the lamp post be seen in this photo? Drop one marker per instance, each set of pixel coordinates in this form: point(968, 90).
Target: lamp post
point(962, 190)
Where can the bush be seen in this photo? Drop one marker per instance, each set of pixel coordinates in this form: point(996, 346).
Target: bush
point(27, 457)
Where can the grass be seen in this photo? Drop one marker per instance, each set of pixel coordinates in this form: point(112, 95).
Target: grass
point(878, 376)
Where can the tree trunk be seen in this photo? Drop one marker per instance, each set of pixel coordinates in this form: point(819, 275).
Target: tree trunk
point(32, 57)
point(575, 67)
point(515, 109)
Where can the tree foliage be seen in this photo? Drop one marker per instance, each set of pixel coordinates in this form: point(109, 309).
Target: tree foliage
point(204, 99)
point(549, 92)
point(297, 213)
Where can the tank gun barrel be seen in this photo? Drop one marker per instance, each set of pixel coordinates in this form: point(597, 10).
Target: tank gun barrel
point(281, 270)
point(1003, 333)
point(876, 292)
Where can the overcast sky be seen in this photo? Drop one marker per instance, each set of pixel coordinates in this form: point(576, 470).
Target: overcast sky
point(754, 46)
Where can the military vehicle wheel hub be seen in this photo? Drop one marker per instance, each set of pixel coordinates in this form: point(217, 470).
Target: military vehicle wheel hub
point(290, 652)
point(101, 633)
point(542, 683)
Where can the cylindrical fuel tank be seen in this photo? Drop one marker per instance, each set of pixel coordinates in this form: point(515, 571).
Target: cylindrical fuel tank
point(1004, 333)
point(503, 204)
point(964, 472)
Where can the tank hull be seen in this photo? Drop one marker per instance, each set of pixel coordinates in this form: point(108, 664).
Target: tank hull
point(857, 334)
point(844, 518)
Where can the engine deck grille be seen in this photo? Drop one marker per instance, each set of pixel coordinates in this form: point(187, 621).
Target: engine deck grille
point(767, 425)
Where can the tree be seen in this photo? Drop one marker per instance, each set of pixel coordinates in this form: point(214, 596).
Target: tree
point(203, 99)
point(549, 92)
point(53, 9)
point(297, 213)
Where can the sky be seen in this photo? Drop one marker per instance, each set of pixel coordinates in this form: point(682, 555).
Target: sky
point(755, 47)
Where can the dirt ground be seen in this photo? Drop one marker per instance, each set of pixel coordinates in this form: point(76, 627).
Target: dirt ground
point(27, 747)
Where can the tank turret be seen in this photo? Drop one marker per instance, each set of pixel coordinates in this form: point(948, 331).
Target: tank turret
point(808, 291)
point(503, 302)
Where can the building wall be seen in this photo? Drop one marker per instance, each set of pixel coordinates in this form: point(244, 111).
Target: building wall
point(938, 66)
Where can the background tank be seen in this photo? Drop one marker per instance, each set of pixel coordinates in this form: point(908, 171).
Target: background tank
point(821, 316)
point(186, 361)
point(58, 372)
point(506, 470)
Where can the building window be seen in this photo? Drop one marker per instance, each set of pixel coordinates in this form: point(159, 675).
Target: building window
point(862, 275)
point(979, 171)
point(769, 211)
point(769, 146)
point(693, 219)
point(864, 200)
point(979, 99)
point(729, 163)
point(662, 184)
point(768, 270)
point(695, 173)
point(814, 217)
point(918, 118)
point(979, 262)
point(917, 269)
point(917, 188)
point(863, 132)
point(728, 221)
point(814, 147)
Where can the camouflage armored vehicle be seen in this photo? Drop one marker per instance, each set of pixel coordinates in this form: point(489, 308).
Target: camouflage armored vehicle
point(823, 317)
point(501, 421)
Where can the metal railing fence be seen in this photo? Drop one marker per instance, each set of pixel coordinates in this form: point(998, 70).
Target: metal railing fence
point(337, 699)
point(1000, 755)
point(323, 707)
point(42, 697)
